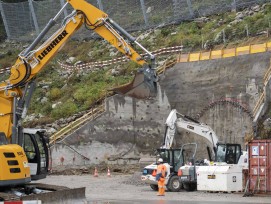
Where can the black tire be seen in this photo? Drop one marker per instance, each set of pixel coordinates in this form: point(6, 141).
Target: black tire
point(190, 186)
point(174, 184)
point(154, 187)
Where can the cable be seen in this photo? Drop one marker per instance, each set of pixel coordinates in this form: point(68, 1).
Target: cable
point(88, 24)
point(28, 73)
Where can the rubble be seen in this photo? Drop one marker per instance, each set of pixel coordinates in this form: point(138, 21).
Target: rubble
point(70, 60)
point(135, 179)
point(102, 169)
point(202, 20)
point(247, 12)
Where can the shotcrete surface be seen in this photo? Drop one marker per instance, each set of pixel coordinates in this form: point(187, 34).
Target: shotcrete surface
point(131, 128)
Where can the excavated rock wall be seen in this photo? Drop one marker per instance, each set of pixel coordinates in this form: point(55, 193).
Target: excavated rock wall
point(220, 93)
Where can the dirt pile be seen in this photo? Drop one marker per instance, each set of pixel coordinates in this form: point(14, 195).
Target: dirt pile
point(134, 179)
point(102, 168)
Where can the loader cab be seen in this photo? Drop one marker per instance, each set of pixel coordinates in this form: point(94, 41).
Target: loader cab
point(36, 149)
point(174, 157)
point(228, 153)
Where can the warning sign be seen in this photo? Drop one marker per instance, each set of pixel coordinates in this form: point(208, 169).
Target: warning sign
point(255, 150)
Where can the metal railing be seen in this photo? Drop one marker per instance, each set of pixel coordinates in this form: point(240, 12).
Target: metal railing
point(23, 21)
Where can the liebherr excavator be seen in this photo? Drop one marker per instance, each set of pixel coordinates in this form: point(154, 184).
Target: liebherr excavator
point(24, 153)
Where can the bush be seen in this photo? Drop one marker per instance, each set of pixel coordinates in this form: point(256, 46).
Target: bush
point(55, 94)
point(67, 109)
point(165, 32)
point(46, 109)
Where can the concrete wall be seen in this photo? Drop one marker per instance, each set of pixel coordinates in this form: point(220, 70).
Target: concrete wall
point(131, 128)
point(128, 129)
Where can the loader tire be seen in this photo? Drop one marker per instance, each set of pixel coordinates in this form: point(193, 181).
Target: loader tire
point(154, 187)
point(174, 184)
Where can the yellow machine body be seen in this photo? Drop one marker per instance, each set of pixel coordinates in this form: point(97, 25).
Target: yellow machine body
point(14, 168)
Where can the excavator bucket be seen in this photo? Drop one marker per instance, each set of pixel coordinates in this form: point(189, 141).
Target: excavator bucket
point(143, 86)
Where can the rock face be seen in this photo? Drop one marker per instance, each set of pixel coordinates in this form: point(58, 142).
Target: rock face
point(199, 88)
point(219, 92)
point(128, 128)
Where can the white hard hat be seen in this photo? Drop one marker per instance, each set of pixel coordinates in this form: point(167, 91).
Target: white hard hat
point(160, 160)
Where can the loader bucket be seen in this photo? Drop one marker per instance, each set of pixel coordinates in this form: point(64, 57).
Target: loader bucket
point(143, 86)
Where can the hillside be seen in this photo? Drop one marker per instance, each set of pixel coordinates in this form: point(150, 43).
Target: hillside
point(62, 93)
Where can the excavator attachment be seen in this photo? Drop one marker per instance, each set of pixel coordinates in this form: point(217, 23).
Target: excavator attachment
point(143, 86)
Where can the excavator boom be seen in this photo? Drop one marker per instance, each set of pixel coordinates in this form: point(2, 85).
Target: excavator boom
point(176, 119)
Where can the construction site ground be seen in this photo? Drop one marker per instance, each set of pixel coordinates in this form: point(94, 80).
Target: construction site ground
point(128, 188)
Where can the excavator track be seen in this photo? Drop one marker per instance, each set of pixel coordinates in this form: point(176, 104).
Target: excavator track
point(8, 196)
point(52, 194)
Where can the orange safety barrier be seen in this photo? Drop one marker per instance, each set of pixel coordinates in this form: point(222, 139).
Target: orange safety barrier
point(224, 53)
point(95, 172)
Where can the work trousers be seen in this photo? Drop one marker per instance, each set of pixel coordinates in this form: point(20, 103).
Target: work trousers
point(161, 187)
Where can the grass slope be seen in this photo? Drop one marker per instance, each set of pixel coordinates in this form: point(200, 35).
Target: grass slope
point(79, 90)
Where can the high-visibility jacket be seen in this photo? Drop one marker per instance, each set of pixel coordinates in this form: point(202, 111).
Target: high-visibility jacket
point(161, 169)
point(154, 173)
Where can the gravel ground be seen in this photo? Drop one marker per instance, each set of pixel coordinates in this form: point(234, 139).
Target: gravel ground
point(123, 187)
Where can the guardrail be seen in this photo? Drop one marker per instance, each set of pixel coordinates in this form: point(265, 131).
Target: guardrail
point(258, 104)
point(262, 98)
point(224, 53)
point(73, 126)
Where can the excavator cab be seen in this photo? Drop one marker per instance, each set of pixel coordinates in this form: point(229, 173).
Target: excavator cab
point(36, 149)
point(229, 153)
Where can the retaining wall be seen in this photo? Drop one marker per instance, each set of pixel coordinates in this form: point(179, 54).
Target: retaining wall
point(130, 128)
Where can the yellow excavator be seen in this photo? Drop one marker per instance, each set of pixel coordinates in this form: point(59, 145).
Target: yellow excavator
point(24, 153)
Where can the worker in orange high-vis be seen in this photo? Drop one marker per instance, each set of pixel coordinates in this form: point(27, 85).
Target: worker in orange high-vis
point(160, 177)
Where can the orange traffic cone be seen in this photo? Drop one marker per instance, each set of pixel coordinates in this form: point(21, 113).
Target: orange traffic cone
point(108, 172)
point(95, 172)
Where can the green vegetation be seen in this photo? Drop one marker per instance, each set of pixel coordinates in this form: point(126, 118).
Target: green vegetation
point(79, 91)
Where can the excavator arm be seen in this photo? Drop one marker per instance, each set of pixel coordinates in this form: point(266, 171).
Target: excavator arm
point(176, 119)
point(16, 91)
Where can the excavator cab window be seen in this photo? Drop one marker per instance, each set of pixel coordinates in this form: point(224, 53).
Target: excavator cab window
point(3, 139)
point(233, 153)
point(229, 153)
point(30, 149)
point(220, 153)
point(41, 151)
point(36, 150)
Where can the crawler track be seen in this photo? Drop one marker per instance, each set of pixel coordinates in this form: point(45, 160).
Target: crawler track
point(50, 194)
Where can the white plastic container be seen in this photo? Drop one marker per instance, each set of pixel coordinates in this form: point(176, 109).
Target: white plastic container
point(227, 178)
